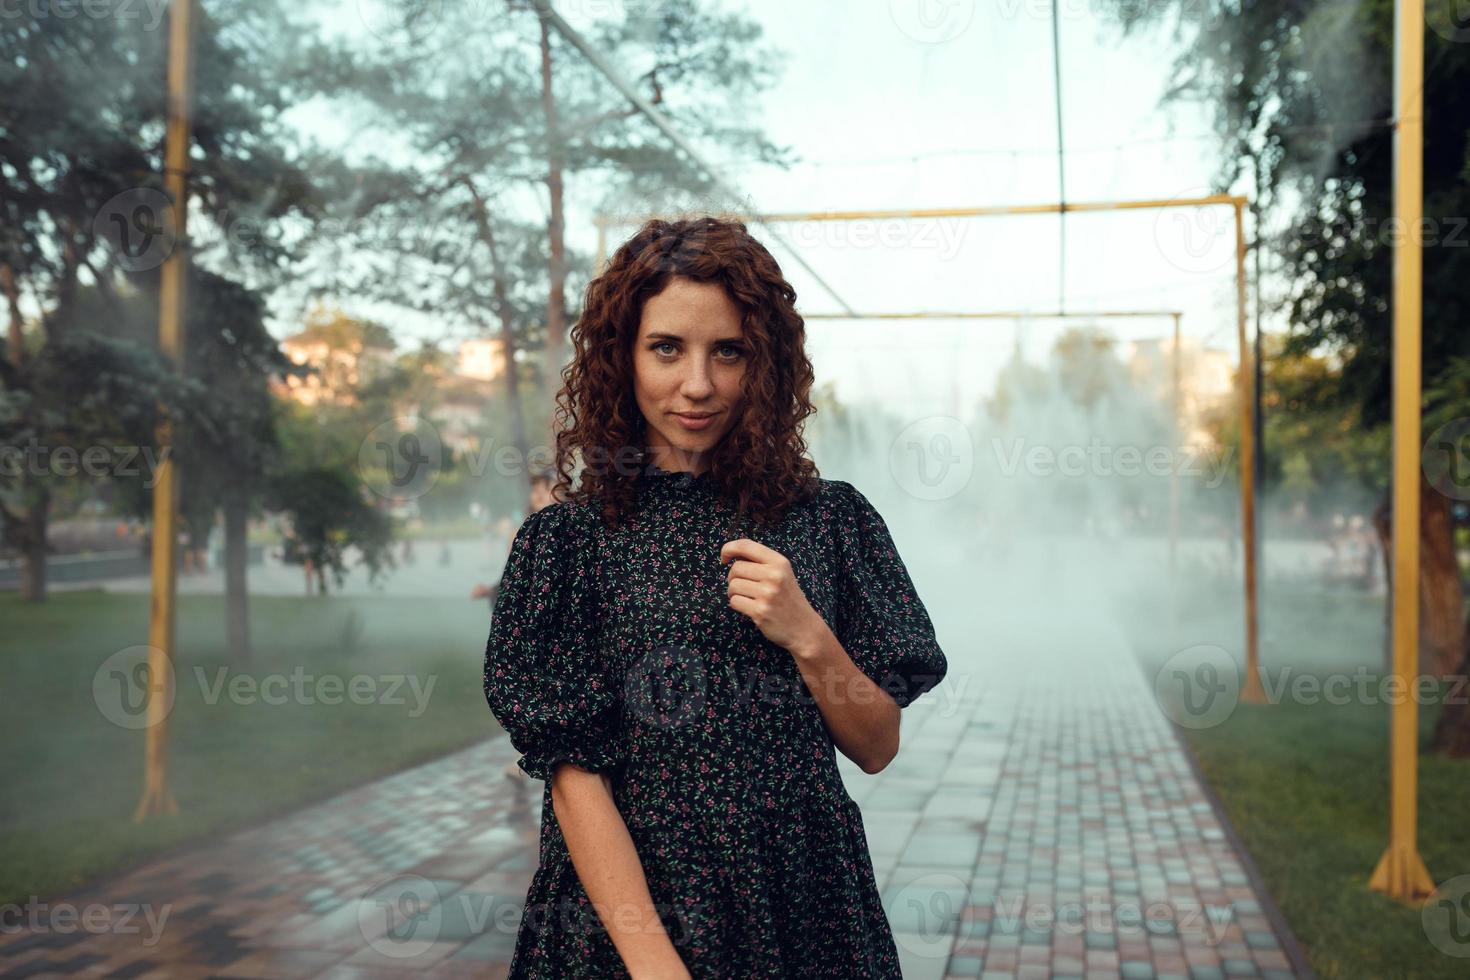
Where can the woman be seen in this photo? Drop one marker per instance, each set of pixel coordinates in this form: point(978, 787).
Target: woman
point(680, 646)
point(541, 482)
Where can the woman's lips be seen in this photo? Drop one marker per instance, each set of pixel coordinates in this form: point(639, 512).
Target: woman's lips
point(695, 423)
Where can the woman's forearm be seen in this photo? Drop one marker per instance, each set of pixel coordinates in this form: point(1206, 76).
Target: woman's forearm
point(607, 864)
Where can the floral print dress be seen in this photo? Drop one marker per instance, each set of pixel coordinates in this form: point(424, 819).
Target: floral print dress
point(617, 651)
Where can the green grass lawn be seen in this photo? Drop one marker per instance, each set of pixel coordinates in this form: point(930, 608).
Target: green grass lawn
point(72, 777)
point(1306, 787)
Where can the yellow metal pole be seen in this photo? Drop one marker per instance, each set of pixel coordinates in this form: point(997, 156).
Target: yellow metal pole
point(980, 212)
point(1174, 400)
point(1252, 692)
point(157, 798)
point(992, 315)
point(601, 260)
point(1401, 873)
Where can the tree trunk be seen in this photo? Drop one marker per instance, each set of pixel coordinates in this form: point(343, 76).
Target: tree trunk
point(506, 314)
point(1452, 729)
point(556, 308)
point(1442, 629)
point(1382, 523)
point(32, 542)
point(1442, 615)
point(237, 560)
point(16, 332)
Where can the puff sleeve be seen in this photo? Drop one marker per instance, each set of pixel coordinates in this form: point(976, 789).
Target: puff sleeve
point(545, 681)
point(881, 622)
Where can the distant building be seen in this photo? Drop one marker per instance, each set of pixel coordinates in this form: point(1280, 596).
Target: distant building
point(343, 355)
point(482, 359)
point(1206, 380)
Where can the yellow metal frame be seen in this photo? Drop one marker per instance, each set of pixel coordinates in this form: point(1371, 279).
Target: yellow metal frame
point(1175, 315)
point(1252, 691)
point(157, 798)
point(1400, 873)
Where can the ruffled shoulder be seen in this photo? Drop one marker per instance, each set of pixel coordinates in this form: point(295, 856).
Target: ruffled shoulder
point(881, 621)
point(545, 680)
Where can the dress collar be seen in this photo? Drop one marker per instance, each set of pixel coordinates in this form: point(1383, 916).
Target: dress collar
point(682, 478)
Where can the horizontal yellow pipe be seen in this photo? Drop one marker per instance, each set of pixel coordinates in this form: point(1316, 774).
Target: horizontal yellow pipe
point(1173, 202)
point(991, 315)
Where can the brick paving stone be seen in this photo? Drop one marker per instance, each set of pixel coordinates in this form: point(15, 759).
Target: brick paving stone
point(1044, 813)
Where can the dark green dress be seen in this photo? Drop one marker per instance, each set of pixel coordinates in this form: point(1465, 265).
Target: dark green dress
point(618, 651)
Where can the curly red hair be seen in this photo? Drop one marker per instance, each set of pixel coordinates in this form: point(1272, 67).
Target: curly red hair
point(760, 468)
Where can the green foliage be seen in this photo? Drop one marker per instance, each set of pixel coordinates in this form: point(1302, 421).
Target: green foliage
point(1305, 91)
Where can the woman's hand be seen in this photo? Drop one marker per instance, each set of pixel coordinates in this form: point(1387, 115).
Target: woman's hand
point(762, 586)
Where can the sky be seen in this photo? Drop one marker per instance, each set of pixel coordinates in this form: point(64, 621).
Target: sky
point(898, 104)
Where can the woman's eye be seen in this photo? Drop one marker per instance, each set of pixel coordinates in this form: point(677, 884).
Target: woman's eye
point(733, 352)
point(665, 343)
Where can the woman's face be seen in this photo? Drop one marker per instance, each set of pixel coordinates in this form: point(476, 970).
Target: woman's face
point(688, 361)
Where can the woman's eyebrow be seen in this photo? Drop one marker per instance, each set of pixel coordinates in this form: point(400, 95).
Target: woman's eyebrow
point(674, 336)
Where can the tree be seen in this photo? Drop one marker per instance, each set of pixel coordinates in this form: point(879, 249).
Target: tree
point(81, 203)
point(1304, 90)
point(488, 113)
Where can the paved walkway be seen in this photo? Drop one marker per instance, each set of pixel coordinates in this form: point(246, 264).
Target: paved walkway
point(1041, 822)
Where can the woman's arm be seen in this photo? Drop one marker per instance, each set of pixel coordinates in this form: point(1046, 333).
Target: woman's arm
point(607, 863)
point(862, 717)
